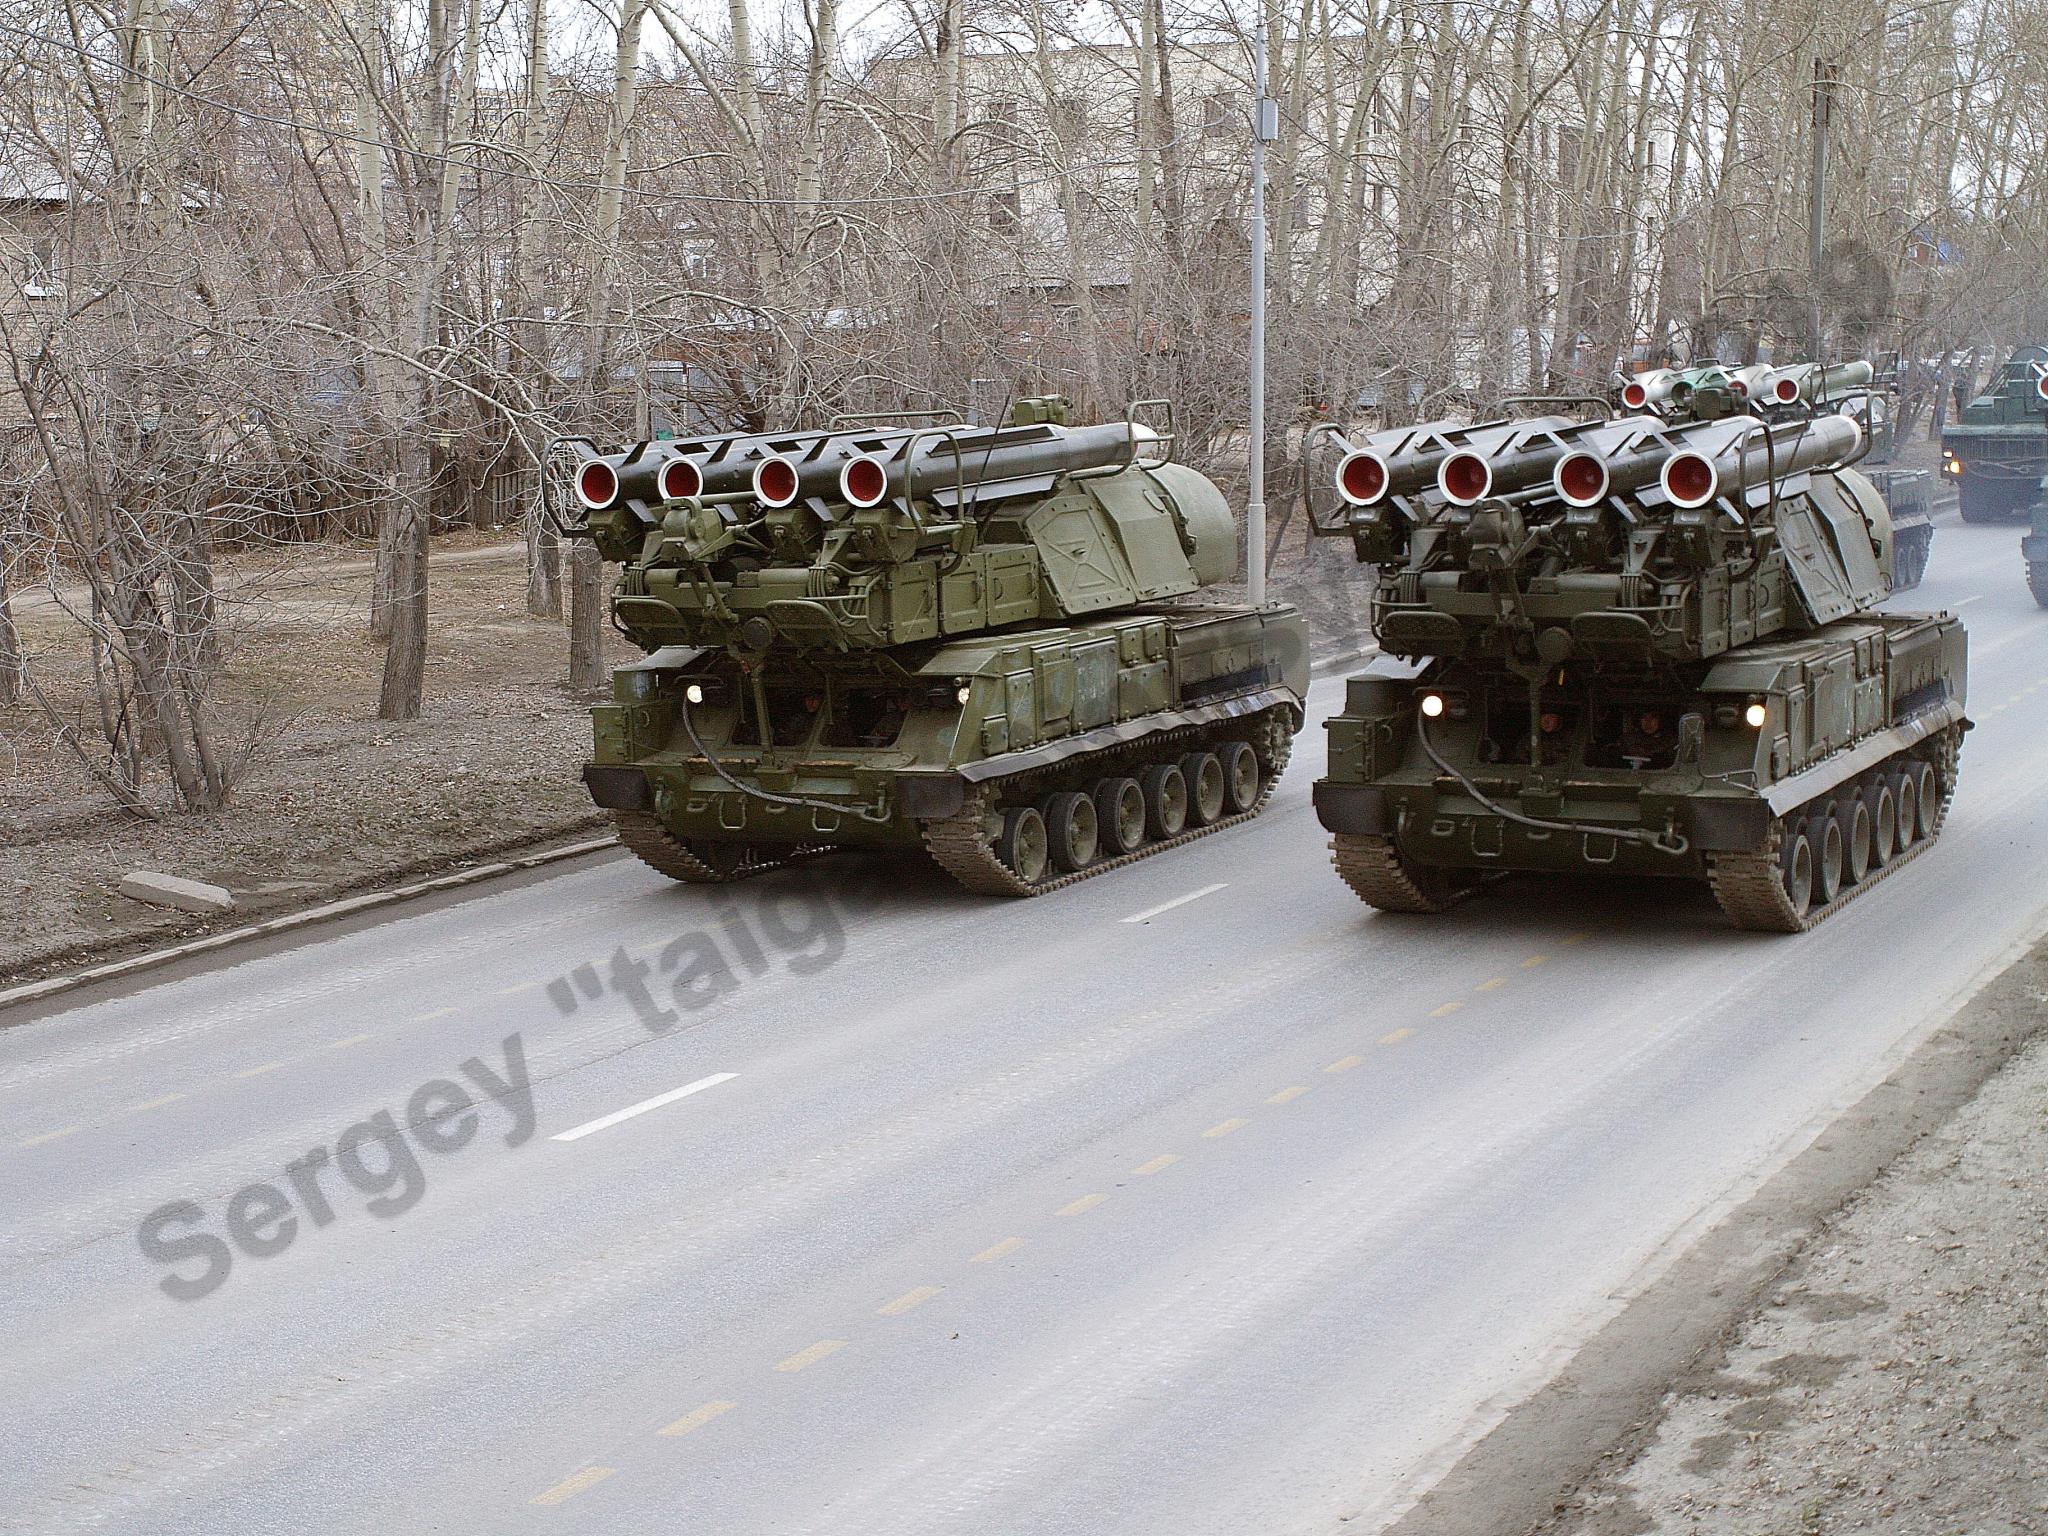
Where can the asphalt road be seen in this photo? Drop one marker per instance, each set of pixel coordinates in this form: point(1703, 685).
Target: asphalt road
point(1196, 1198)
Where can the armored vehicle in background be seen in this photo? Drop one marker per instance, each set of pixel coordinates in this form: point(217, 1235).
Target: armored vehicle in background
point(2034, 549)
point(980, 642)
point(1997, 448)
point(1642, 647)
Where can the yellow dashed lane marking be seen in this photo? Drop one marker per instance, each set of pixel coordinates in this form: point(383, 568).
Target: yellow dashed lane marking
point(1085, 1203)
point(37, 1141)
point(1577, 938)
point(1533, 961)
point(1445, 1010)
point(811, 1356)
point(989, 1255)
point(437, 1013)
point(169, 1098)
point(336, 1045)
point(528, 986)
point(569, 1487)
point(268, 1066)
point(908, 1300)
point(1492, 985)
point(1225, 1128)
point(1163, 1160)
point(1345, 1065)
point(1287, 1095)
point(696, 1418)
point(1396, 1037)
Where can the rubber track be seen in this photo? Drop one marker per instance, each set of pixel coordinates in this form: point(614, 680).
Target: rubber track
point(1751, 889)
point(1373, 870)
point(961, 846)
point(660, 849)
point(2037, 580)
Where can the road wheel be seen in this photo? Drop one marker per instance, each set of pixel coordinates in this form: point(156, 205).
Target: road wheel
point(1853, 817)
point(1906, 790)
point(1203, 772)
point(1825, 832)
point(1070, 827)
point(1166, 800)
point(1022, 845)
point(1884, 822)
point(1119, 815)
point(1798, 867)
point(1928, 795)
point(1240, 776)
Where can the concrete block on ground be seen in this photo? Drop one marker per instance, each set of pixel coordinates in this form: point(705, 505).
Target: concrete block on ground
point(171, 891)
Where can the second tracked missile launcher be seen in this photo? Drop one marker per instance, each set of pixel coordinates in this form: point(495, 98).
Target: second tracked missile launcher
point(985, 643)
point(1640, 646)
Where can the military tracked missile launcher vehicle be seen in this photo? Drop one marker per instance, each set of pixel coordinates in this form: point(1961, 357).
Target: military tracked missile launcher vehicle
point(1636, 646)
point(980, 642)
point(1996, 450)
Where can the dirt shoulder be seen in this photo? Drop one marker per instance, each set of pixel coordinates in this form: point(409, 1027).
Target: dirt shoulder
point(1895, 1377)
point(334, 801)
point(1862, 1346)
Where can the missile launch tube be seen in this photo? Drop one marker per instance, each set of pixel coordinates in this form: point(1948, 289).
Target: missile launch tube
point(950, 465)
point(1744, 453)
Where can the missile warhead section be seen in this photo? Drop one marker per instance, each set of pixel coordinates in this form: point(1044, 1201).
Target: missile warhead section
point(1647, 647)
point(984, 643)
point(1996, 448)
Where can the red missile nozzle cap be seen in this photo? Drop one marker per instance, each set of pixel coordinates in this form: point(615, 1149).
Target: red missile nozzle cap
point(864, 482)
point(1634, 396)
point(679, 479)
point(597, 485)
point(1362, 478)
point(775, 482)
point(1464, 478)
point(1581, 479)
point(1689, 480)
point(1785, 391)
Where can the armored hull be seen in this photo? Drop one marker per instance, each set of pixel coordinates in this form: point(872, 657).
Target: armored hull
point(1658, 771)
point(1171, 722)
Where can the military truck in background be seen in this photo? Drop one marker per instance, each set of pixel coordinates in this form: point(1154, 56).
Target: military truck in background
point(1639, 646)
point(1996, 448)
point(985, 643)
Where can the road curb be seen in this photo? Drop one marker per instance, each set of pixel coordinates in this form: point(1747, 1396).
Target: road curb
point(347, 906)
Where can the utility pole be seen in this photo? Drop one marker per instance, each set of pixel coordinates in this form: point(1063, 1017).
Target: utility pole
point(1265, 129)
point(1824, 80)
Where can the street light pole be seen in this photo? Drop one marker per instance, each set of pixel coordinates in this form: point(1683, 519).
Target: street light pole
point(1265, 128)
